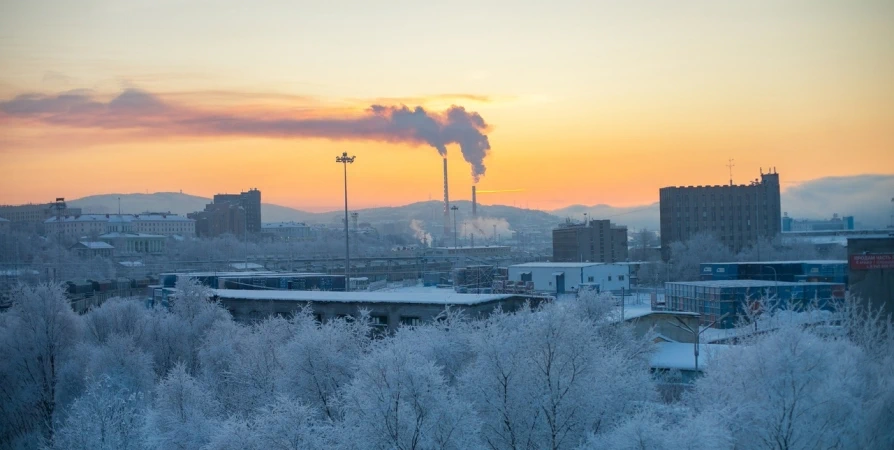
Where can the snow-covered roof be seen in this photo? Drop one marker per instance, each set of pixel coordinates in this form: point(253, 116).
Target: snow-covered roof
point(79, 218)
point(434, 298)
point(274, 225)
point(96, 245)
point(117, 235)
point(161, 216)
point(748, 283)
point(3, 220)
point(681, 356)
point(806, 261)
point(131, 263)
point(246, 266)
point(555, 265)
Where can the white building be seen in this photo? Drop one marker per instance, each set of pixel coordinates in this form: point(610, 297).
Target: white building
point(561, 277)
point(287, 230)
point(163, 224)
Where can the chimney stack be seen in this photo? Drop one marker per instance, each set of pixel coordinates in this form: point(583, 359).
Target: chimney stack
point(446, 202)
point(474, 203)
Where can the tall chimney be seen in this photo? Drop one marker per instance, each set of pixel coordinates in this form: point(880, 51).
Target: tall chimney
point(474, 203)
point(446, 203)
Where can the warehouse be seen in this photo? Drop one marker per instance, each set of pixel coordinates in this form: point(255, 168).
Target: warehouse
point(388, 310)
point(726, 301)
point(559, 278)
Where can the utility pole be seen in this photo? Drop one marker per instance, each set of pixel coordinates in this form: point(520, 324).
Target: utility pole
point(731, 165)
point(344, 160)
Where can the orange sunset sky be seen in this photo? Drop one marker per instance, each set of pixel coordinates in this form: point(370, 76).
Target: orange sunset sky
point(585, 101)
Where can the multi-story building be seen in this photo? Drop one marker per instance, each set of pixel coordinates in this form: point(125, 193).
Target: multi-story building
point(287, 230)
point(834, 224)
point(163, 224)
point(591, 241)
point(4, 225)
point(23, 216)
point(220, 218)
point(736, 214)
point(250, 201)
point(235, 214)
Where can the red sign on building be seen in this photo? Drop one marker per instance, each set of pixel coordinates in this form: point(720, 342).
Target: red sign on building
point(872, 261)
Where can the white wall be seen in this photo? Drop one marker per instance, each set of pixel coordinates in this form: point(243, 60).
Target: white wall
point(545, 281)
point(611, 277)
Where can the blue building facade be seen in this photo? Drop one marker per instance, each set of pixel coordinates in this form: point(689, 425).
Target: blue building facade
point(726, 301)
point(825, 271)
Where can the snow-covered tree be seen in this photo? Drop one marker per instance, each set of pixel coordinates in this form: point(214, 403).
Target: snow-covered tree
point(106, 417)
point(184, 415)
point(399, 400)
point(547, 378)
point(788, 390)
point(37, 338)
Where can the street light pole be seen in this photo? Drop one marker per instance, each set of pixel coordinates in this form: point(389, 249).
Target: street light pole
point(454, 208)
point(344, 159)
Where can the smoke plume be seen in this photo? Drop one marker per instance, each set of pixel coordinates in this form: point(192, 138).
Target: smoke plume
point(419, 232)
point(139, 110)
point(483, 228)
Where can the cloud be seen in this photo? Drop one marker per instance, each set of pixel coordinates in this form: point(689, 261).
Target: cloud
point(135, 109)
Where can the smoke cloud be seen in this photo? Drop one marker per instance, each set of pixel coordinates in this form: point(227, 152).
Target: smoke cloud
point(134, 109)
point(419, 232)
point(483, 228)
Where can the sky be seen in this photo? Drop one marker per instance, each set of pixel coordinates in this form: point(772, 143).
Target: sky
point(561, 102)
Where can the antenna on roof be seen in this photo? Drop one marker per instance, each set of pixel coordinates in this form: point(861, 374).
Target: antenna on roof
point(731, 165)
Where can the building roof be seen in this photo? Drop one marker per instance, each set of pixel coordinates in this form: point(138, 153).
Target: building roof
point(274, 225)
point(475, 247)
point(117, 235)
point(806, 261)
point(681, 356)
point(749, 283)
point(3, 220)
point(434, 298)
point(119, 218)
point(96, 245)
point(556, 265)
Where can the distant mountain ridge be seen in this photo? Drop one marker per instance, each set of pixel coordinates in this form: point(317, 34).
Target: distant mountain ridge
point(867, 197)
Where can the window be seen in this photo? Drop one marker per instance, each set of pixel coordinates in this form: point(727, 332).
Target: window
point(378, 321)
point(620, 277)
point(609, 278)
point(590, 279)
point(410, 321)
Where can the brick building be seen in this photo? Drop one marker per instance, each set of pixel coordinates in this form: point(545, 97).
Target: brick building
point(592, 241)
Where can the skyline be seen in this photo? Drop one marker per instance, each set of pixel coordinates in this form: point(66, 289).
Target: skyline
point(583, 104)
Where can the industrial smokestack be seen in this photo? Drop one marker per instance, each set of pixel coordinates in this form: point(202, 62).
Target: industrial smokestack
point(474, 203)
point(446, 202)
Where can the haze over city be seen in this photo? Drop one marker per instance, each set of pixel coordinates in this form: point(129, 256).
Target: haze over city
point(580, 102)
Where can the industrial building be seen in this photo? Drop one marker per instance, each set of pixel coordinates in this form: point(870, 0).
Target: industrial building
point(562, 277)
point(726, 301)
point(478, 251)
point(871, 270)
point(259, 280)
point(831, 271)
point(736, 214)
point(834, 224)
point(387, 310)
point(590, 241)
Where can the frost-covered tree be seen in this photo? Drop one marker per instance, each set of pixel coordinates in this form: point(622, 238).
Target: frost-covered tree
point(686, 257)
point(788, 390)
point(663, 427)
point(286, 424)
point(106, 417)
point(37, 338)
point(319, 360)
point(184, 415)
point(547, 378)
point(399, 400)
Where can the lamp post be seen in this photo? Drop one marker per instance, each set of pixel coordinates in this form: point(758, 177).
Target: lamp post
point(344, 160)
point(454, 208)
